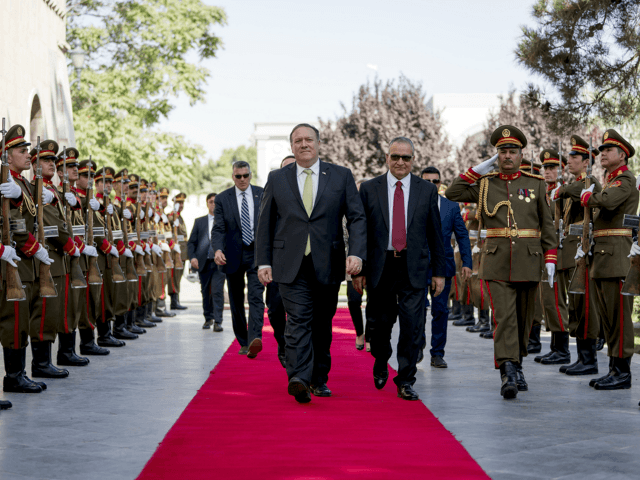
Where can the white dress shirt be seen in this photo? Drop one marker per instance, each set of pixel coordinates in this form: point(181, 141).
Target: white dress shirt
point(391, 191)
point(211, 221)
point(302, 178)
point(249, 196)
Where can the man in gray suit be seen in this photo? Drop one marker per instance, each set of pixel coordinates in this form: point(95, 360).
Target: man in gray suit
point(299, 245)
point(201, 257)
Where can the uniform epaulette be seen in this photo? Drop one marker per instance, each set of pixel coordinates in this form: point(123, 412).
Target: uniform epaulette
point(490, 174)
point(128, 204)
point(532, 175)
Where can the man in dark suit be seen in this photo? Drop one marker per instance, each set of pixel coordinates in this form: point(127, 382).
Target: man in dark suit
point(300, 246)
point(452, 223)
point(236, 214)
point(403, 228)
point(201, 256)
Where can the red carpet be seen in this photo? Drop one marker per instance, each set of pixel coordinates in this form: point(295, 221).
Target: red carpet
point(242, 424)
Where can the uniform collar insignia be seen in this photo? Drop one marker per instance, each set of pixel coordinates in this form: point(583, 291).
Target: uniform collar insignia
point(616, 172)
point(513, 176)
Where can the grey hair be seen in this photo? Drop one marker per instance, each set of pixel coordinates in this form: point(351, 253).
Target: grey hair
point(404, 140)
point(241, 164)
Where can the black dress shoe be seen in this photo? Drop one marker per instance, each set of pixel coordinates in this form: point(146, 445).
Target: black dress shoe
point(438, 362)
point(207, 324)
point(380, 377)
point(5, 404)
point(406, 392)
point(321, 390)
point(243, 350)
point(217, 327)
point(299, 390)
point(255, 347)
point(359, 347)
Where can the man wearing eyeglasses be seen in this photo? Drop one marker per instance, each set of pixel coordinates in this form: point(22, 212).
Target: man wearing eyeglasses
point(234, 230)
point(403, 229)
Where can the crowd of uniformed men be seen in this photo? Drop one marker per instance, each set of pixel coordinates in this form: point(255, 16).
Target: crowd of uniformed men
point(139, 250)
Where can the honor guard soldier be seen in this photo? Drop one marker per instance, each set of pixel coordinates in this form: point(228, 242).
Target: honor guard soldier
point(165, 226)
point(156, 280)
point(14, 315)
point(609, 263)
point(520, 243)
point(554, 298)
point(142, 311)
point(179, 246)
point(584, 322)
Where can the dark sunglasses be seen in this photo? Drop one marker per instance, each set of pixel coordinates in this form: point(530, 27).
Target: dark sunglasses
point(244, 175)
point(436, 181)
point(404, 158)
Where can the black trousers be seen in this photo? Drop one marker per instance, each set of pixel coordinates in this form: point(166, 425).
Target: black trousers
point(235, 286)
point(276, 312)
point(392, 298)
point(212, 288)
point(354, 302)
point(310, 308)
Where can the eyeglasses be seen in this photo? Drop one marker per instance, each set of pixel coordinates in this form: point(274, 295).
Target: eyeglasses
point(435, 180)
point(404, 158)
point(244, 175)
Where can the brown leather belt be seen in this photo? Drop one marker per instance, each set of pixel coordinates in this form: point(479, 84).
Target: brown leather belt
point(613, 232)
point(512, 232)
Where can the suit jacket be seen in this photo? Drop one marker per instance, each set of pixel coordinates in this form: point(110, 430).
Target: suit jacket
point(227, 227)
point(284, 226)
point(198, 244)
point(452, 223)
point(424, 231)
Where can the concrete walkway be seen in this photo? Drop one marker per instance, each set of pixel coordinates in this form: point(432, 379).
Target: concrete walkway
point(105, 420)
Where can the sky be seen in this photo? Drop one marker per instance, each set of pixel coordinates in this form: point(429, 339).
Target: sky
point(296, 61)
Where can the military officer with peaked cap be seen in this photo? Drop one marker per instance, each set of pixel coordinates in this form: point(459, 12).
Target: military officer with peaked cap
point(609, 263)
point(180, 246)
point(520, 243)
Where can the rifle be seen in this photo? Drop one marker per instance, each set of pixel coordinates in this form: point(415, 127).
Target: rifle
point(116, 272)
point(77, 277)
point(177, 260)
point(578, 285)
point(559, 222)
point(130, 268)
point(158, 263)
point(13, 290)
point(93, 275)
point(166, 256)
point(632, 281)
point(47, 287)
point(141, 268)
point(145, 232)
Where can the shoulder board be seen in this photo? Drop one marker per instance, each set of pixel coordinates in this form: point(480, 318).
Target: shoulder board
point(532, 175)
point(617, 183)
point(59, 188)
point(491, 174)
point(81, 195)
point(128, 204)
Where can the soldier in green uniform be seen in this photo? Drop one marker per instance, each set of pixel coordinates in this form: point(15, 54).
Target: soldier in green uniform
point(180, 246)
point(554, 298)
point(164, 226)
point(520, 243)
point(609, 263)
point(584, 323)
point(14, 316)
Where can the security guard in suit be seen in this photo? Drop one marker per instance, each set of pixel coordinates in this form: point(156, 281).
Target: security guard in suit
point(609, 263)
point(520, 242)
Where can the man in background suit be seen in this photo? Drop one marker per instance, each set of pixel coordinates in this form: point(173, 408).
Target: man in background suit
point(452, 223)
point(300, 245)
point(236, 214)
point(201, 257)
point(403, 228)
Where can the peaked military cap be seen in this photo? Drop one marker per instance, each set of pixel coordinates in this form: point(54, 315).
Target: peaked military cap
point(506, 136)
point(134, 180)
point(611, 138)
point(14, 138)
point(580, 147)
point(83, 168)
point(48, 150)
point(551, 158)
point(72, 158)
point(122, 173)
point(105, 173)
point(153, 187)
point(144, 184)
point(164, 192)
point(181, 197)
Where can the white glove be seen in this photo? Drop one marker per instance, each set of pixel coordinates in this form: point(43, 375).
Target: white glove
point(156, 218)
point(635, 250)
point(126, 214)
point(141, 214)
point(150, 211)
point(147, 249)
point(551, 271)
point(127, 253)
point(176, 207)
point(47, 196)
point(139, 250)
point(580, 252)
point(76, 252)
point(552, 195)
point(164, 246)
point(110, 209)
point(94, 204)
point(90, 251)
point(475, 249)
point(43, 256)
point(71, 199)
point(9, 255)
point(584, 190)
point(114, 252)
point(10, 189)
point(176, 248)
point(176, 223)
point(486, 166)
point(156, 249)
point(164, 218)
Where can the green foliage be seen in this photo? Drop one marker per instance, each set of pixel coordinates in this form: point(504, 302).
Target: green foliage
point(589, 52)
point(141, 54)
point(215, 176)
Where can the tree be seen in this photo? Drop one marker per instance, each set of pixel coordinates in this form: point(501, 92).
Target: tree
point(588, 51)
point(380, 112)
point(215, 176)
point(141, 54)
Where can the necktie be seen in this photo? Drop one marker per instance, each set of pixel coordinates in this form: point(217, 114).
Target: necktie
point(247, 234)
point(307, 199)
point(398, 231)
